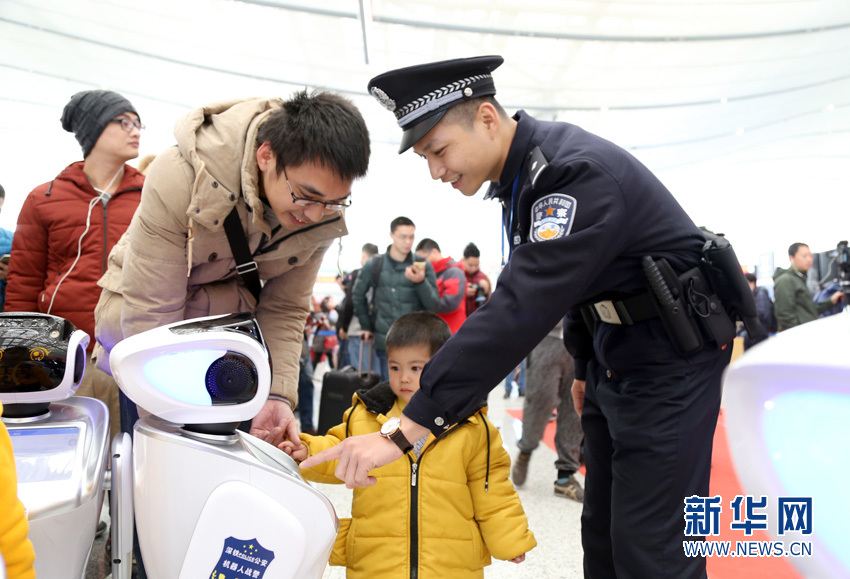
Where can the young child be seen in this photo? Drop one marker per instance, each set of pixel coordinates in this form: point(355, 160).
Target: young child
point(441, 510)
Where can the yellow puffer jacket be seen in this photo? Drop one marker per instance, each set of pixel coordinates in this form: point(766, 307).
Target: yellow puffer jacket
point(441, 515)
point(14, 545)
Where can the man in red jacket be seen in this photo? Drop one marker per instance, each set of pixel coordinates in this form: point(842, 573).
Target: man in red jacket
point(67, 227)
point(451, 284)
point(477, 283)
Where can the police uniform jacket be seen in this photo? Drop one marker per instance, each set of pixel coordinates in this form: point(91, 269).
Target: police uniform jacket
point(580, 213)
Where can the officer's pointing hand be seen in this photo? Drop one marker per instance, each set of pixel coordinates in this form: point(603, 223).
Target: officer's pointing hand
point(357, 456)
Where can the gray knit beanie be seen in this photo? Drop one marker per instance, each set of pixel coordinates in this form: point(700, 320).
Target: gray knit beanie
point(88, 112)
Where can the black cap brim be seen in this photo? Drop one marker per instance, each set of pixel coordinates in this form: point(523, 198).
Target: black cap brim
point(415, 133)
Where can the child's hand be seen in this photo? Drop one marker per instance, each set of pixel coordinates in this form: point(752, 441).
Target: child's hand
point(519, 559)
point(298, 453)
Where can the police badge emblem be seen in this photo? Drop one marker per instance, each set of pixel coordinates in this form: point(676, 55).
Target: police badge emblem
point(383, 98)
point(242, 559)
point(552, 217)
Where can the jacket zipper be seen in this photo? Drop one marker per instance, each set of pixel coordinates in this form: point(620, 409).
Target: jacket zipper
point(106, 228)
point(414, 517)
point(414, 498)
point(105, 240)
point(261, 250)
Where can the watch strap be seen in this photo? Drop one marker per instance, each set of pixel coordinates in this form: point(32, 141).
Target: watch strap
point(400, 441)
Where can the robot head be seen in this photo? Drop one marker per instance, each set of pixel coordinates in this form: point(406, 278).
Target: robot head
point(787, 404)
point(42, 360)
point(213, 370)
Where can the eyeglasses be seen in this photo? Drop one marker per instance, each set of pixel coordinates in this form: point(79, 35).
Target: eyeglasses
point(128, 125)
point(337, 205)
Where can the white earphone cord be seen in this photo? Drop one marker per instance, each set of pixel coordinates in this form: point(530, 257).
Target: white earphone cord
point(104, 196)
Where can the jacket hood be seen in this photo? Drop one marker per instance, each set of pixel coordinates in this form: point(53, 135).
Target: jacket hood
point(380, 399)
point(74, 174)
point(202, 133)
point(781, 271)
point(444, 264)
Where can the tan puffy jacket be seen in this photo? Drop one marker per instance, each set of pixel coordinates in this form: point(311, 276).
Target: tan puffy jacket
point(179, 229)
point(437, 516)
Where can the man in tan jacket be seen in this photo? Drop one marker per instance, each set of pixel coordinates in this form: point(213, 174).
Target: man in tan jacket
point(287, 169)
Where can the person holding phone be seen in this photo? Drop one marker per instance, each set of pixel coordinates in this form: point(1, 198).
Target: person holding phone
point(399, 286)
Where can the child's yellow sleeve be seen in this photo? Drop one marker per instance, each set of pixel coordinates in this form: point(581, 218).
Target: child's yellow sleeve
point(498, 509)
point(324, 472)
point(14, 544)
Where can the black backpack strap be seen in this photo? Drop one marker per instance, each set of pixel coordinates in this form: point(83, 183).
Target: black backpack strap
point(377, 264)
point(376, 269)
point(246, 267)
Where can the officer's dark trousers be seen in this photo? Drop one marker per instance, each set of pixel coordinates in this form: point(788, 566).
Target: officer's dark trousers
point(647, 447)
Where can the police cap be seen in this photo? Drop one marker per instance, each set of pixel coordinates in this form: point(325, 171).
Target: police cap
point(420, 95)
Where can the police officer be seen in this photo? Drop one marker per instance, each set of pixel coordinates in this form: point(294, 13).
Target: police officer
point(580, 214)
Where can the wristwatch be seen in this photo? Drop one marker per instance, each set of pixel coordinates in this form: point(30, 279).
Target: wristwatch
point(392, 429)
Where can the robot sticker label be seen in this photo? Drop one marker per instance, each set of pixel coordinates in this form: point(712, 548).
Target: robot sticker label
point(242, 560)
point(38, 353)
point(552, 217)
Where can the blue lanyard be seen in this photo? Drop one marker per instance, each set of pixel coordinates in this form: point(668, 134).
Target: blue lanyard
point(510, 222)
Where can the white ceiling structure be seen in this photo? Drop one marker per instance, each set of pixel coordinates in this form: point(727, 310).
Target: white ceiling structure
point(742, 107)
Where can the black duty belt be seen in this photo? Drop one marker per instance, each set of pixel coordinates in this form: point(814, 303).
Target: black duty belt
point(625, 312)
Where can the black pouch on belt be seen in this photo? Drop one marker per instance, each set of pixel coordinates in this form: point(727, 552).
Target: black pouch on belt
point(721, 266)
point(707, 310)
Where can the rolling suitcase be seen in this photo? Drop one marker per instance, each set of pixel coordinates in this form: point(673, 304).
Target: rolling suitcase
point(338, 386)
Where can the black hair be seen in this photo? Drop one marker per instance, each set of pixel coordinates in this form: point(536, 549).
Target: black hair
point(400, 221)
point(464, 113)
point(794, 248)
point(2, 192)
point(751, 277)
point(427, 245)
point(418, 329)
point(324, 305)
point(320, 127)
point(370, 249)
point(471, 250)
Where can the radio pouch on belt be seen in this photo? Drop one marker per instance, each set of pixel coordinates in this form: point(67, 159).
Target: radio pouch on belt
point(720, 264)
point(707, 309)
point(672, 307)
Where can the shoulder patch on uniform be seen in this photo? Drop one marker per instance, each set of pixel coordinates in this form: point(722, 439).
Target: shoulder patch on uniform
point(536, 164)
point(552, 217)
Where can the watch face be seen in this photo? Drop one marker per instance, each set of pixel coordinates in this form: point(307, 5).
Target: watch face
point(390, 426)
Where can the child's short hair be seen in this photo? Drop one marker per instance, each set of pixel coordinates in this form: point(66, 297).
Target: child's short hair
point(418, 329)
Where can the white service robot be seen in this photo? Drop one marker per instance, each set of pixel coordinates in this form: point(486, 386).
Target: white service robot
point(787, 406)
point(210, 500)
point(60, 441)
